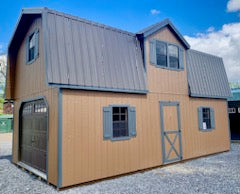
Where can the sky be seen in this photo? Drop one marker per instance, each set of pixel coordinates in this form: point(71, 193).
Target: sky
point(211, 26)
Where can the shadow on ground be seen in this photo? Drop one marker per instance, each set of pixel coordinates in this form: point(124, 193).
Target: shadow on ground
point(7, 157)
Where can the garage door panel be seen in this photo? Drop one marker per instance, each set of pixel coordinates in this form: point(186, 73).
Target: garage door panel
point(26, 155)
point(33, 133)
point(38, 160)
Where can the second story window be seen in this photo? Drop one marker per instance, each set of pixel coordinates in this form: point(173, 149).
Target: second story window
point(166, 55)
point(161, 52)
point(32, 47)
point(173, 56)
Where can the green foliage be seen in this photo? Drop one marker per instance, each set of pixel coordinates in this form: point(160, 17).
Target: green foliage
point(1, 105)
point(234, 85)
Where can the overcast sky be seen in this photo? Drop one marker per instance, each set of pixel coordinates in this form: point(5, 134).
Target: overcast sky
point(211, 26)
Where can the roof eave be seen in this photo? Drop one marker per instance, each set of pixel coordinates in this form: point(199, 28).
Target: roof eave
point(161, 25)
point(24, 11)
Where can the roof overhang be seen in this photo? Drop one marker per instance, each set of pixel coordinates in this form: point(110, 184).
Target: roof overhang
point(158, 26)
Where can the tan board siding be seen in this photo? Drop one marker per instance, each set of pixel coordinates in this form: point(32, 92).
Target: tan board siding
point(30, 83)
point(86, 156)
point(163, 80)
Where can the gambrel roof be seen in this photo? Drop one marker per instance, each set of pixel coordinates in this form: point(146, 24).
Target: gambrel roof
point(87, 55)
point(206, 76)
point(82, 54)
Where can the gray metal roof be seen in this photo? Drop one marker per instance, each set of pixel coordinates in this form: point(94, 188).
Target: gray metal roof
point(88, 55)
point(155, 27)
point(206, 76)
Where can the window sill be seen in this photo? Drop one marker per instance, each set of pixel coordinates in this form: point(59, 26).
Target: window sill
point(206, 130)
point(120, 138)
point(32, 61)
point(168, 68)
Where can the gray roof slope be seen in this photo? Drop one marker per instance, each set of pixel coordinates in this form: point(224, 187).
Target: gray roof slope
point(83, 54)
point(206, 75)
point(89, 55)
point(155, 27)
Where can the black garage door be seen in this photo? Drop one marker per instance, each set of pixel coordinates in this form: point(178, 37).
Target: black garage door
point(33, 134)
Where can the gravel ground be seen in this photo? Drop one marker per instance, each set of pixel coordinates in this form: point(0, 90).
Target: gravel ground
point(213, 174)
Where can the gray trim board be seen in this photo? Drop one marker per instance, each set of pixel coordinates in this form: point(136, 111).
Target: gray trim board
point(19, 117)
point(59, 183)
point(208, 96)
point(65, 86)
point(229, 130)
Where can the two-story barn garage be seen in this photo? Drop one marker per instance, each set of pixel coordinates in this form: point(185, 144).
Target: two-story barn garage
point(92, 101)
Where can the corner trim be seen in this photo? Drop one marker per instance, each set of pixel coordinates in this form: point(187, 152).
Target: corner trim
point(229, 129)
point(59, 184)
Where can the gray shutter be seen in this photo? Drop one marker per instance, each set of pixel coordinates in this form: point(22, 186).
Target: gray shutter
point(181, 58)
point(107, 122)
point(153, 56)
point(132, 121)
point(36, 43)
point(200, 118)
point(26, 46)
point(212, 116)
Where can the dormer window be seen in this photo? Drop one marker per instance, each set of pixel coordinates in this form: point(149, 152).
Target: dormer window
point(173, 54)
point(32, 47)
point(166, 55)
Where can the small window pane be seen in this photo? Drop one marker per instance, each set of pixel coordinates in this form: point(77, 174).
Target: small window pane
point(115, 117)
point(115, 110)
point(206, 118)
point(161, 52)
point(123, 117)
point(173, 56)
point(31, 47)
point(120, 122)
point(123, 109)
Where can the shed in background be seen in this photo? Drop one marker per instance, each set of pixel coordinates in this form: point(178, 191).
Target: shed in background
point(234, 114)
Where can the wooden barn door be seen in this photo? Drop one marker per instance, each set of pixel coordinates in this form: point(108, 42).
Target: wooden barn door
point(170, 132)
point(33, 134)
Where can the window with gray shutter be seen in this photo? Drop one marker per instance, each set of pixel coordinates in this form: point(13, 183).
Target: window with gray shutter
point(119, 122)
point(153, 57)
point(166, 55)
point(161, 52)
point(32, 49)
point(206, 118)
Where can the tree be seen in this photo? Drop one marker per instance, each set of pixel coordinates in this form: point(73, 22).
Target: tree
point(3, 72)
point(3, 68)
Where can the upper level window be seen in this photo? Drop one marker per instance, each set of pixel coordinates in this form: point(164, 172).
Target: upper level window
point(166, 55)
point(173, 56)
point(119, 122)
point(32, 47)
point(206, 118)
point(161, 52)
